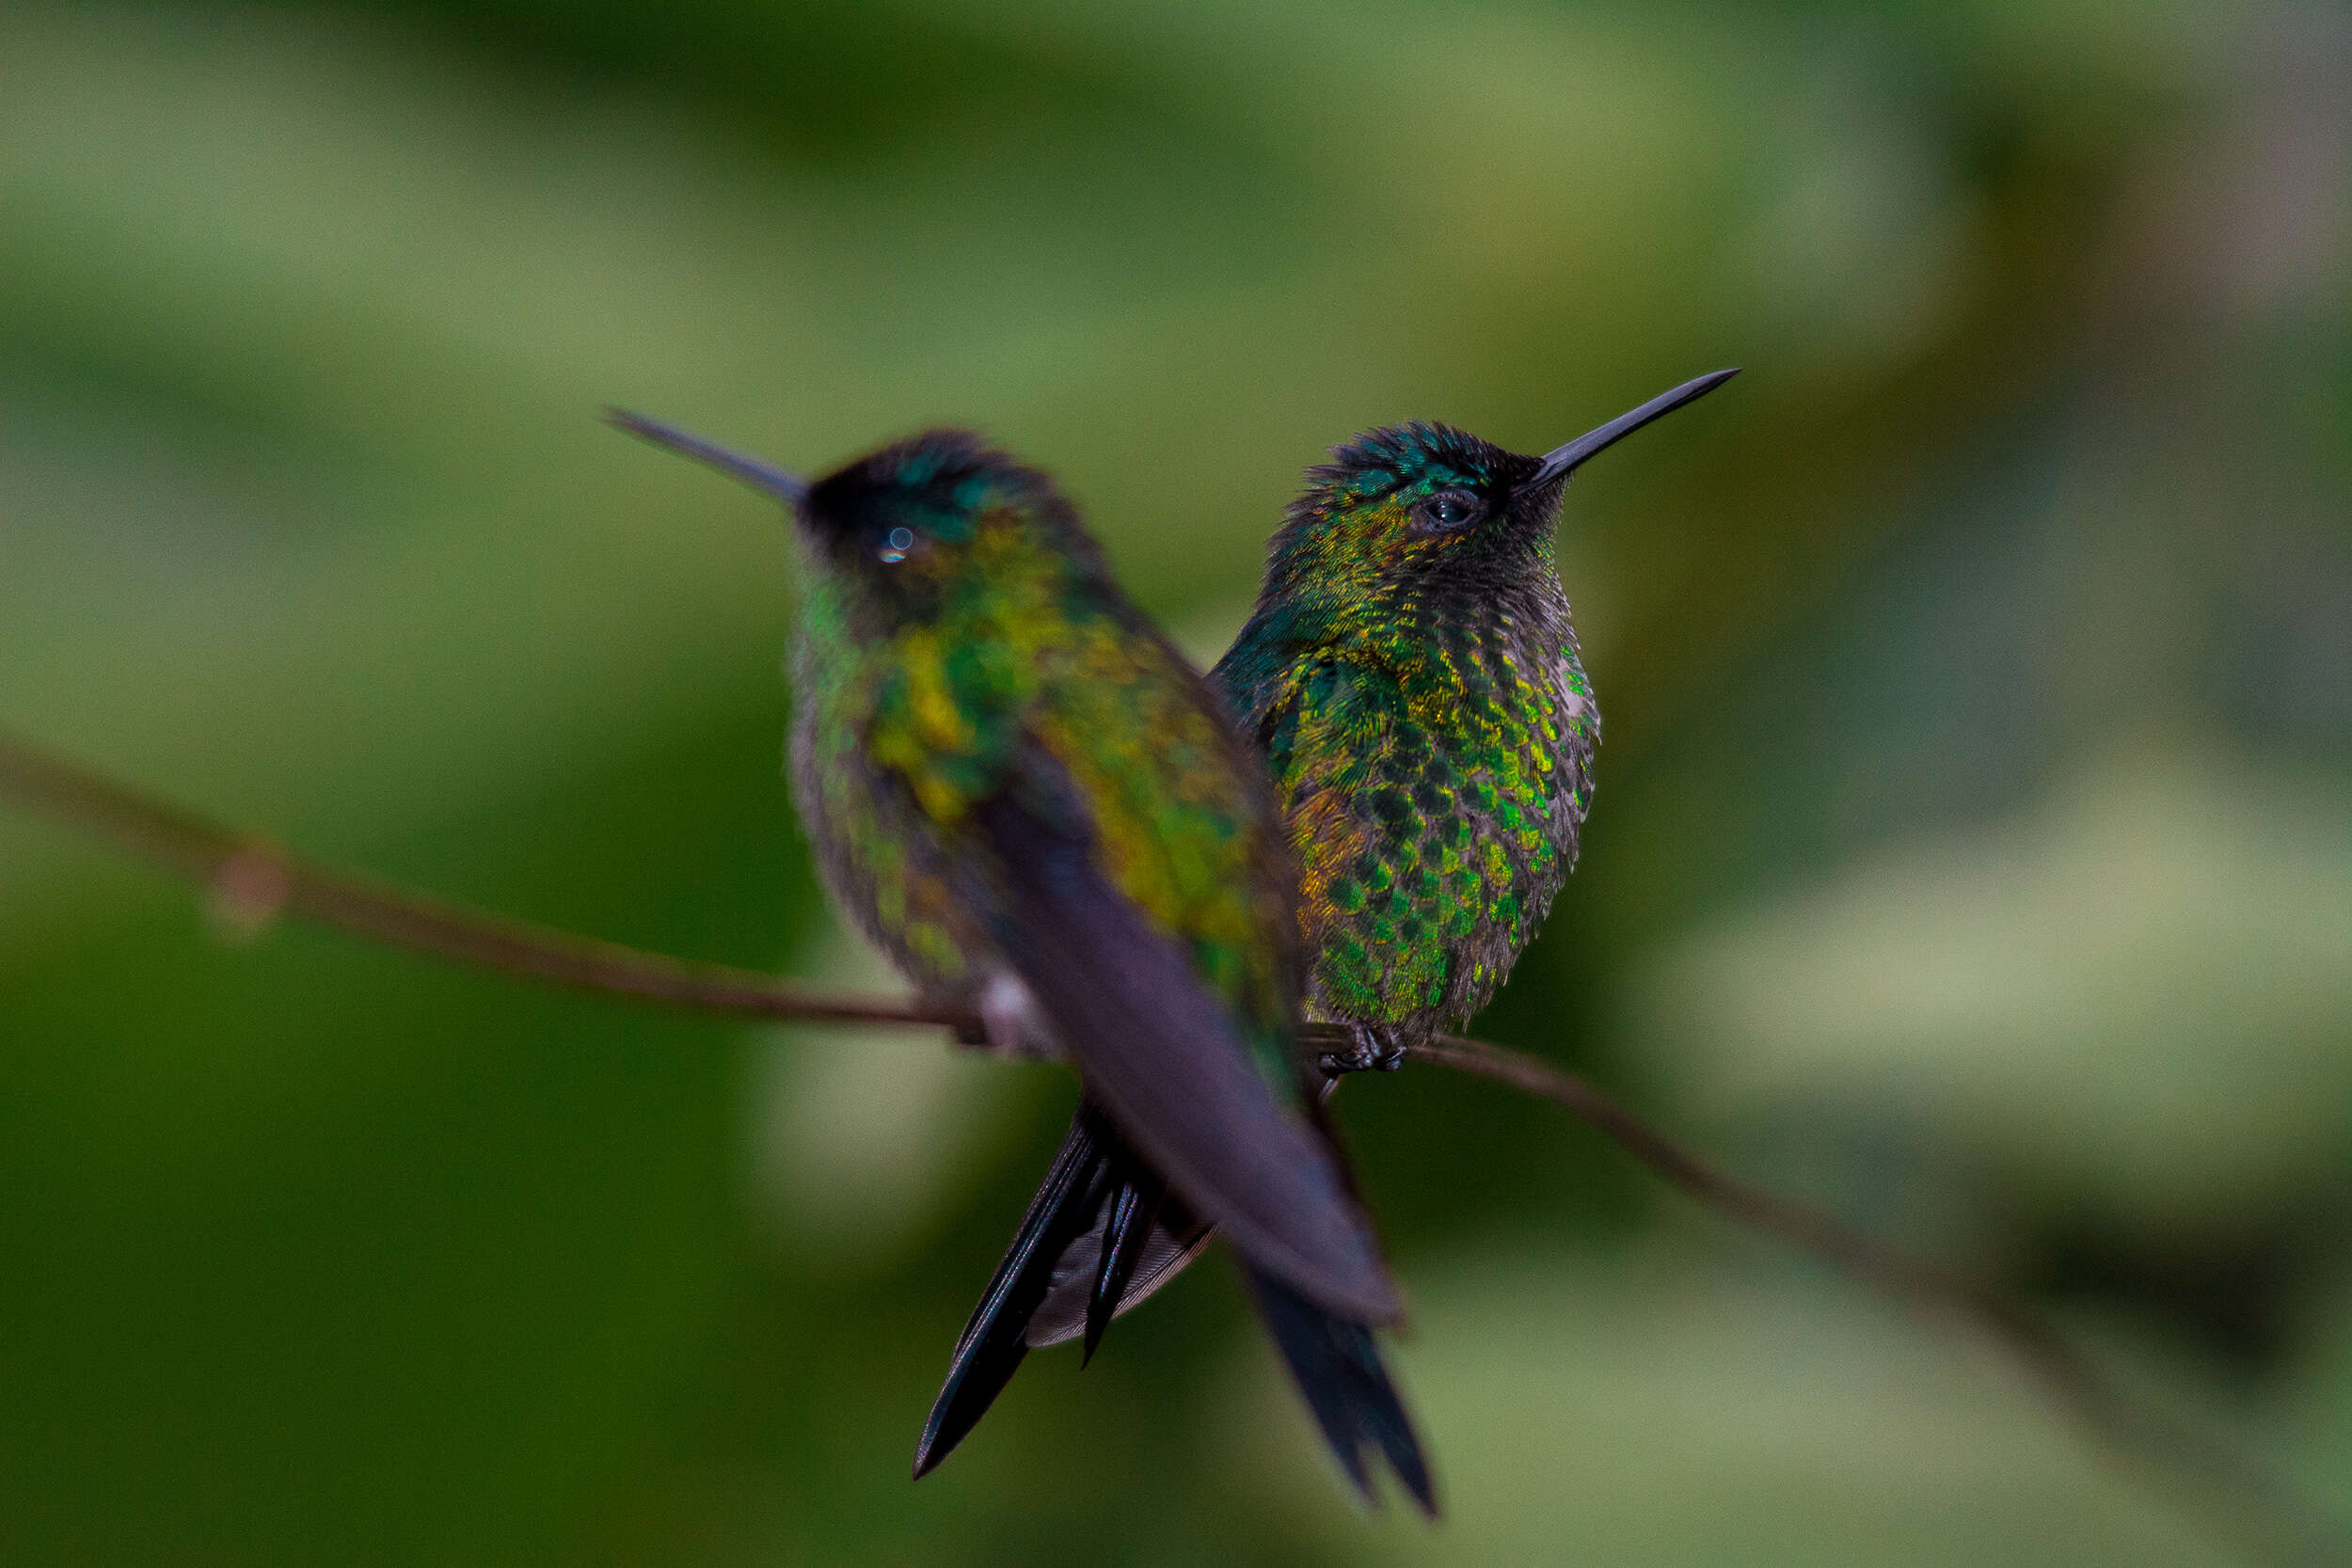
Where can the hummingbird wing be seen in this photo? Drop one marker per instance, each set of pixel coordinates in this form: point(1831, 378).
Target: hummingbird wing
point(1164, 1057)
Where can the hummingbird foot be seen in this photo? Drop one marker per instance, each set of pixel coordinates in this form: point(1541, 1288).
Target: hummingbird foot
point(1378, 1048)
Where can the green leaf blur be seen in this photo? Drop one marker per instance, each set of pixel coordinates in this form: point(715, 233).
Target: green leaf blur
point(1970, 854)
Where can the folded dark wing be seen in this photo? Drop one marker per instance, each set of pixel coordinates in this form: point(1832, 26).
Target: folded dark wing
point(1161, 1053)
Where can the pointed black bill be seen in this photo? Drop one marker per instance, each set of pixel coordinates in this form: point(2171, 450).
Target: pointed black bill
point(1562, 461)
point(789, 488)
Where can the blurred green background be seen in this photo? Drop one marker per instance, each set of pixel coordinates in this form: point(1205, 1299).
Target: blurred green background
point(1973, 852)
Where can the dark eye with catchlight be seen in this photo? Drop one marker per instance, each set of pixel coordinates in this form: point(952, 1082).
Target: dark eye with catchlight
point(1448, 509)
point(896, 545)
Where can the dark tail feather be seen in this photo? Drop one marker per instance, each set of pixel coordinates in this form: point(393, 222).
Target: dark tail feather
point(993, 1342)
point(1173, 1241)
point(1126, 1232)
point(1088, 1229)
point(1338, 1371)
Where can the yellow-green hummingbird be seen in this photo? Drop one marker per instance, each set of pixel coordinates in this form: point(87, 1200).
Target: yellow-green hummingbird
point(1024, 795)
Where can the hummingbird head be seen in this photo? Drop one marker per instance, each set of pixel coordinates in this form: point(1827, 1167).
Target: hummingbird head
point(901, 529)
point(1428, 507)
point(930, 511)
point(1419, 504)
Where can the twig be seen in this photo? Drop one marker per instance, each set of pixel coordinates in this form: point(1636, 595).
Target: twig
point(249, 881)
point(2269, 1519)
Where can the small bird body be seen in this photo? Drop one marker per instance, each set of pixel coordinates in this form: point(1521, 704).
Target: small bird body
point(1416, 694)
point(1024, 795)
point(1023, 676)
point(1410, 674)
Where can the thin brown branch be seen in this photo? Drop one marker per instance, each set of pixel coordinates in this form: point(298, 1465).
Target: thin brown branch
point(249, 881)
point(1920, 1284)
point(2222, 1481)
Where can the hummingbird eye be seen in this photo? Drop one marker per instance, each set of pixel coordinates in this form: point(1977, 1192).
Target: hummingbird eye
point(897, 544)
point(1448, 509)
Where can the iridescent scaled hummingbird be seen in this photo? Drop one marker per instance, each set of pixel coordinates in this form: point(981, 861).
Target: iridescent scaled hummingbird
point(1411, 676)
point(1026, 797)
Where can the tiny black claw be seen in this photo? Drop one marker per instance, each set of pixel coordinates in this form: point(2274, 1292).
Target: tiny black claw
point(1379, 1047)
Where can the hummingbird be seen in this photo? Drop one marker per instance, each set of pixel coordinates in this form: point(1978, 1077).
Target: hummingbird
point(1027, 799)
point(1411, 677)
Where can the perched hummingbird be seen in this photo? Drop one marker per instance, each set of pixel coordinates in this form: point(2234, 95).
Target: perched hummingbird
point(1028, 799)
point(1411, 675)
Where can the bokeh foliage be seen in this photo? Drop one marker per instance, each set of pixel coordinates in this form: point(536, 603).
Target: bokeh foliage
point(1971, 851)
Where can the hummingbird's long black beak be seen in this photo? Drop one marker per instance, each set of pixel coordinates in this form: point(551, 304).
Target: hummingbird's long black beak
point(789, 488)
point(1561, 462)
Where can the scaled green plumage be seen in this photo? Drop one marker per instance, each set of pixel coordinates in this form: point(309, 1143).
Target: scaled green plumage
point(1425, 719)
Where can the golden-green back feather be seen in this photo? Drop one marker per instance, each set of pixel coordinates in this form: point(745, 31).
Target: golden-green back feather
point(1023, 657)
